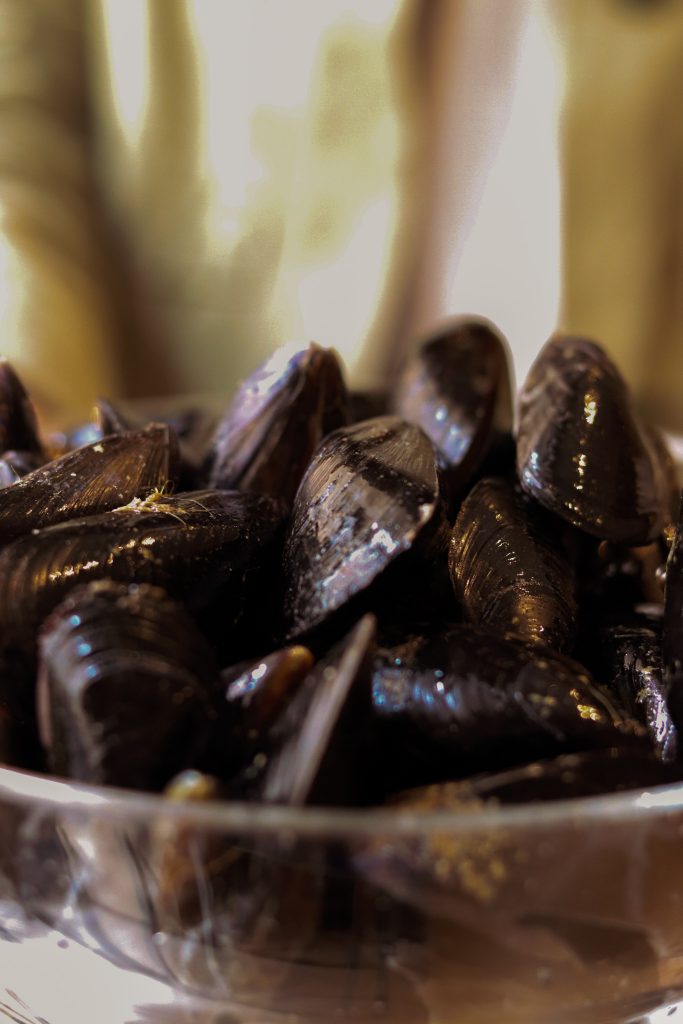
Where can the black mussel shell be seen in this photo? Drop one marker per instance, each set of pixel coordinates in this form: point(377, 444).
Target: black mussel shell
point(99, 477)
point(315, 749)
point(466, 701)
point(251, 696)
point(110, 419)
point(18, 426)
point(672, 626)
point(457, 388)
point(508, 568)
point(277, 420)
point(582, 451)
point(15, 465)
point(614, 580)
point(259, 689)
point(197, 546)
point(367, 496)
point(629, 661)
point(124, 684)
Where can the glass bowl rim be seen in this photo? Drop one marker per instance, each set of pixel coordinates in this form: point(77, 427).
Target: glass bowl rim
point(45, 793)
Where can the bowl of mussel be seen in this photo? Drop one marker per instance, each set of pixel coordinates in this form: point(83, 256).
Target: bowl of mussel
point(336, 705)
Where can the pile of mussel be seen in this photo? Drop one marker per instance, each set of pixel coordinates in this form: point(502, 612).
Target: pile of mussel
point(324, 597)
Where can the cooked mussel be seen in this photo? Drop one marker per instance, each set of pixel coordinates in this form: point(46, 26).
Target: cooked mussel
point(251, 696)
point(629, 660)
point(462, 701)
point(93, 479)
point(370, 492)
point(124, 685)
point(508, 567)
point(672, 626)
point(198, 546)
point(18, 426)
point(582, 451)
point(314, 752)
point(278, 418)
point(457, 388)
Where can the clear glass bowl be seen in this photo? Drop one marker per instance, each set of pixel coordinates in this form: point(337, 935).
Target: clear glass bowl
point(118, 907)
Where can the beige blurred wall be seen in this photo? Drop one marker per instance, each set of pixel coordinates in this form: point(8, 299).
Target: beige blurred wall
point(185, 184)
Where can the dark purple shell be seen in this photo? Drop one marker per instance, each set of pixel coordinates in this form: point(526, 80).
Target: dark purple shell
point(315, 749)
point(630, 660)
point(582, 451)
point(457, 388)
point(276, 421)
point(194, 545)
point(466, 700)
point(508, 568)
point(368, 494)
point(18, 425)
point(99, 477)
point(124, 685)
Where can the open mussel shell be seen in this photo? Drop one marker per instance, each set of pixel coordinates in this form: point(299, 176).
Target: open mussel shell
point(367, 496)
point(457, 388)
point(198, 546)
point(124, 685)
point(18, 425)
point(628, 659)
point(93, 479)
point(465, 700)
point(508, 568)
point(278, 418)
point(314, 752)
point(582, 451)
point(250, 697)
point(672, 626)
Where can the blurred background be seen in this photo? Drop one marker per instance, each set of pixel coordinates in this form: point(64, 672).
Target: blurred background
point(186, 184)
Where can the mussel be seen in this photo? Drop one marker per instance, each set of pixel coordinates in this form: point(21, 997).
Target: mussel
point(124, 685)
point(19, 745)
point(316, 747)
point(96, 478)
point(250, 697)
point(18, 426)
point(672, 627)
point(458, 702)
point(369, 494)
point(278, 418)
point(629, 658)
point(582, 451)
point(199, 546)
point(508, 568)
point(457, 388)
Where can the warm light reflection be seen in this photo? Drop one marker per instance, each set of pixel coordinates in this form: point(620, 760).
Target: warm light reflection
point(507, 266)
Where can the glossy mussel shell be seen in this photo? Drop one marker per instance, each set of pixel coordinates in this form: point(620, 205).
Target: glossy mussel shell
point(457, 388)
point(582, 451)
point(124, 684)
point(367, 495)
point(465, 700)
point(278, 418)
point(18, 425)
point(508, 568)
point(195, 545)
point(92, 479)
